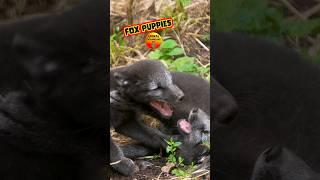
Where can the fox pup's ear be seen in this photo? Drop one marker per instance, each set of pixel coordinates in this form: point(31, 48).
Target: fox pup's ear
point(272, 153)
point(121, 79)
point(193, 115)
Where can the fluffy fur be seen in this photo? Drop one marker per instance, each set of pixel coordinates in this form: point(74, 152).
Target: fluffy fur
point(277, 93)
point(53, 85)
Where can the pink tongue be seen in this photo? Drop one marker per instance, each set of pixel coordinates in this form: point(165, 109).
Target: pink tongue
point(184, 125)
point(162, 107)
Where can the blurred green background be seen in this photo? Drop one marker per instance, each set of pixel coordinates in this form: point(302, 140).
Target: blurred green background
point(293, 23)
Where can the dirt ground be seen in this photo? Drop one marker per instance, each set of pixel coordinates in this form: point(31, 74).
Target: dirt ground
point(145, 174)
point(153, 172)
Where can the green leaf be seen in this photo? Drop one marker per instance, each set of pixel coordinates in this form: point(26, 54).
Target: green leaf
point(168, 149)
point(176, 51)
point(172, 158)
point(155, 54)
point(180, 160)
point(203, 70)
point(184, 64)
point(170, 43)
point(185, 2)
point(192, 167)
point(165, 57)
point(176, 144)
point(179, 172)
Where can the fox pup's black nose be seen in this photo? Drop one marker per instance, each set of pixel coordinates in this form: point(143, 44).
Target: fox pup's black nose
point(176, 92)
point(180, 97)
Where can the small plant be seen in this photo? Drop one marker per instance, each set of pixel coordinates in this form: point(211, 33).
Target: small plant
point(117, 46)
point(171, 150)
point(174, 57)
point(184, 3)
point(180, 169)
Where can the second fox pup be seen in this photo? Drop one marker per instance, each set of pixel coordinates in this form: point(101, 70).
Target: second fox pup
point(149, 84)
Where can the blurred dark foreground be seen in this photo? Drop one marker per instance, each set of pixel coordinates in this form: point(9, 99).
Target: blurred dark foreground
point(11, 9)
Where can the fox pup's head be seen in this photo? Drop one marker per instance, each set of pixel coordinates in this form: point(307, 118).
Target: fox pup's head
point(149, 83)
point(195, 136)
point(277, 163)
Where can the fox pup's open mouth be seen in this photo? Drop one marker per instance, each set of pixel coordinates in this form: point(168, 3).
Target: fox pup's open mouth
point(184, 125)
point(162, 107)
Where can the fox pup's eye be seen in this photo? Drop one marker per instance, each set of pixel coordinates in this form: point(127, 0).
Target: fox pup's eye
point(152, 86)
